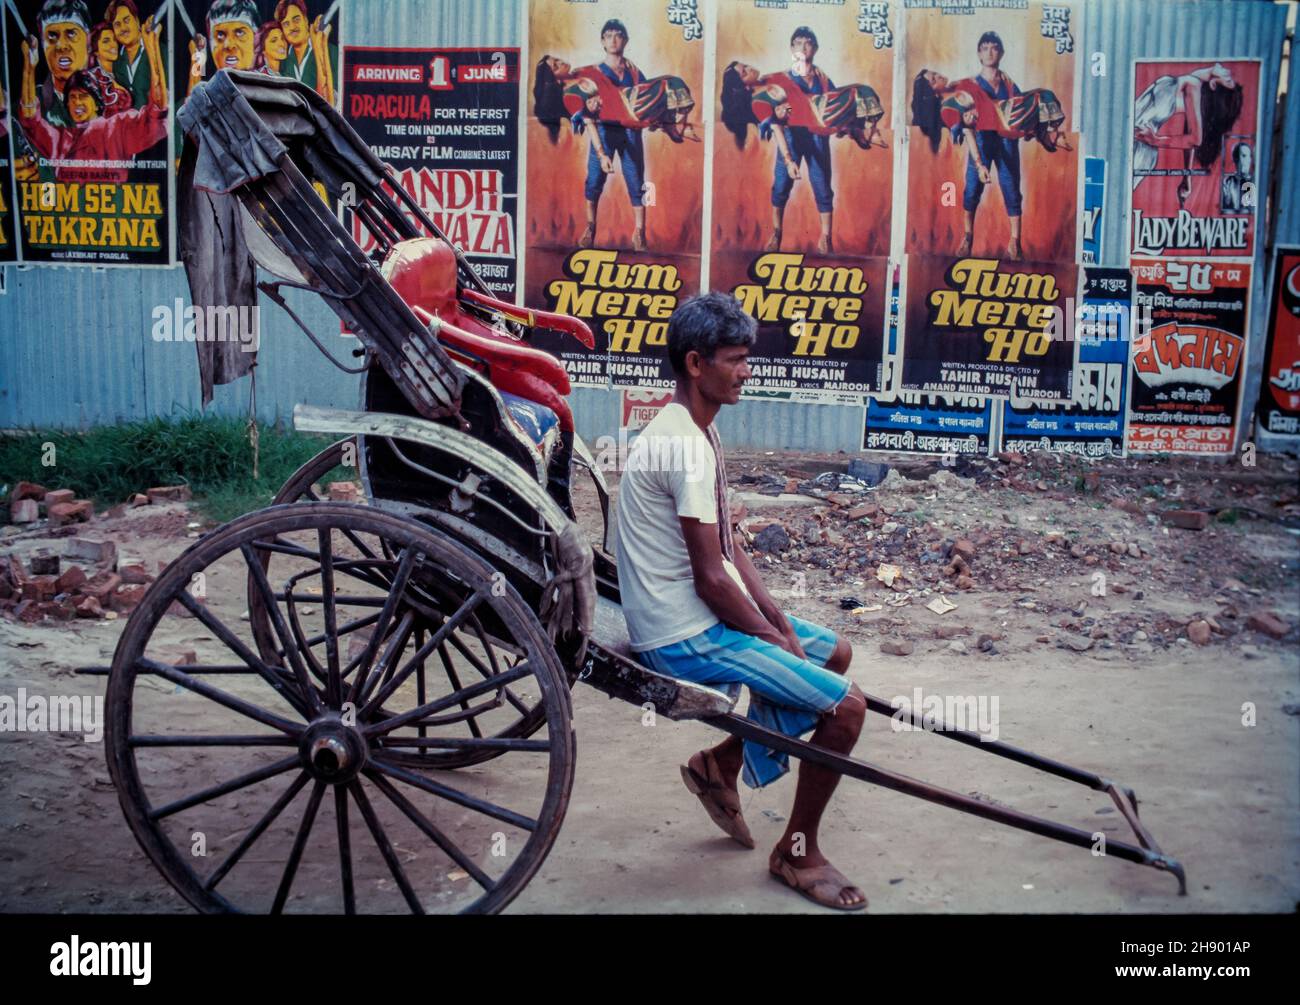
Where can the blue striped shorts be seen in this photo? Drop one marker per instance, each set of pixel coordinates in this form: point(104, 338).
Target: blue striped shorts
point(786, 694)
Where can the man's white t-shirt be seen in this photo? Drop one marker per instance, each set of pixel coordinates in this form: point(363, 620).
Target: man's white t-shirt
point(670, 472)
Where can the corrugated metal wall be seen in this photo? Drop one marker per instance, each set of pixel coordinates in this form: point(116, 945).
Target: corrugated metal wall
point(75, 345)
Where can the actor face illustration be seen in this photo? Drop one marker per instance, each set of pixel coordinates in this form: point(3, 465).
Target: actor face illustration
point(1221, 76)
point(614, 42)
point(126, 27)
point(106, 50)
point(295, 25)
point(81, 106)
point(803, 49)
point(277, 47)
point(66, 50)
point(1245, 159)
point(748, 74)
point(990, 54)
point(558, 66)
point(935, 79)
point(232, 45)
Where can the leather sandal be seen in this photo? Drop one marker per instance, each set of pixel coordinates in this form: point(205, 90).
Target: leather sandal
point(821, 884)
point(703, 777)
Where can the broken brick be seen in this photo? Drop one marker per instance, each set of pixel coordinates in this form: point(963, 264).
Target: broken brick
point(71, 578)
point(40, 588)
point(89, 607)
point(45, 563)
point(59, 496)
point(71, 512)
point(1269, 623)
point(134, 573)
point(102, 586)
point(127, 598)
point(1199, 633)
point(168, 493)
point(28, 490)
point(24, 511)
point(896, 647)
point(1187, 519)
point(88, 549)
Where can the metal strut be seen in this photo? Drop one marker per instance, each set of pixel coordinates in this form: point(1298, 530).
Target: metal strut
point(1148, 854)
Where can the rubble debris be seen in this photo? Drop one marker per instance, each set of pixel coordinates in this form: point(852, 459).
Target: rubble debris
point(1269, 623)
point(772, 539)
point(24, 511)
point(78, 511)
point(896, 647)
point(168, 493)
point(1187, 519)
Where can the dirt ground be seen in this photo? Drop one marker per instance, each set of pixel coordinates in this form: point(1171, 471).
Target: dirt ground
point(1106, 682)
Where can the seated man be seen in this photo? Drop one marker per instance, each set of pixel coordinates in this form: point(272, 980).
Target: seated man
point(697, 610)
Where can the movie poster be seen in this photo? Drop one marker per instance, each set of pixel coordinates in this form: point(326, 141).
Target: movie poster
point(1279, 392)
point(992, 199)
point(88, 123)
point(446, 121)
point(8, 232)
point(1186, 385)
point(615, 177)
point(1194, 171)
point(992, 156)
point(908, 422)
point(287, 38)
point(802, 186)
point(1092, 424)
point(984, 327)
point(1094, 200)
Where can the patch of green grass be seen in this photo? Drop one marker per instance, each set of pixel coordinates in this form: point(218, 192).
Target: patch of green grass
point(210, 454)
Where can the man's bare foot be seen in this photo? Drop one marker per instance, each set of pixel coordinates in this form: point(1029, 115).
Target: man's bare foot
point(773, 242)
point(963, 249)
point(824, 246)
point(1014, 253)
point(588, 237)
point(815, 878)
point(638, 240)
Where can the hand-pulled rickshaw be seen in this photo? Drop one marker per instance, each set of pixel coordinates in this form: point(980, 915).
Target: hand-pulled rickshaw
point(406, 659)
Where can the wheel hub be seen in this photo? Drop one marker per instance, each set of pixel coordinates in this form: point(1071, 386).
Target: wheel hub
point(333, 751)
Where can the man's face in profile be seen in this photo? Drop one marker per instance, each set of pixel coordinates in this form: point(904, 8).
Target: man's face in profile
point(723, 376)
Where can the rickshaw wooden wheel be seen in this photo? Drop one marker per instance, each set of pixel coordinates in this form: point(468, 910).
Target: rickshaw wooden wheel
point(299, 488)
point(225, 763)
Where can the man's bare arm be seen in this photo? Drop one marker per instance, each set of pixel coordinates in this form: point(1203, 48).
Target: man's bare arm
point(718, 590)
point(766, 605)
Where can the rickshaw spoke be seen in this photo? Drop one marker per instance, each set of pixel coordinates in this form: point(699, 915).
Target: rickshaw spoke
point(215, 791)
point(430, 831)
point(385, 848)
point(345, 849)
point(268, 818)
point(454, 795)
point(299, 843)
